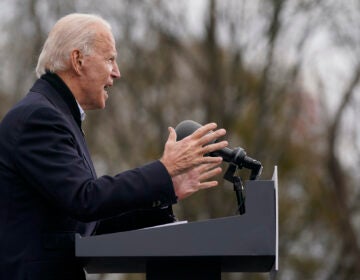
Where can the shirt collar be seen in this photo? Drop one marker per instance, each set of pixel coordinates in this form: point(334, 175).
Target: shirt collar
point(82, 112)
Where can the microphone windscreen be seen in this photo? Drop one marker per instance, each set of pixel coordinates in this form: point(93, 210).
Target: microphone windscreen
point(185, 128)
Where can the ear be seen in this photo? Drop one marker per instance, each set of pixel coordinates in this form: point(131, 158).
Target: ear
point(77, 61)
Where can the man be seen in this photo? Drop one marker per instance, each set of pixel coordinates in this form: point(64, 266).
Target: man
point(49, 190)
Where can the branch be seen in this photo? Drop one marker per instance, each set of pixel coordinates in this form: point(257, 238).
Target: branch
point(340, 183)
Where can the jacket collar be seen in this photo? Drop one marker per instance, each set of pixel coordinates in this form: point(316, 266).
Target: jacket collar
point(63, 91)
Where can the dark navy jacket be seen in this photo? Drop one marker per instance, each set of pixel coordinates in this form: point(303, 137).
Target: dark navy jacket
point(49, 189)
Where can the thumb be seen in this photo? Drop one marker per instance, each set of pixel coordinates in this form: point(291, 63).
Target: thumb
point(172, 135)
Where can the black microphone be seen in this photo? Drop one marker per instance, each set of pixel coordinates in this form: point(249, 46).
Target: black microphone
point(235, 156)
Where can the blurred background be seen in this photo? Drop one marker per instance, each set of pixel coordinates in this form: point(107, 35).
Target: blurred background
point(282, 76)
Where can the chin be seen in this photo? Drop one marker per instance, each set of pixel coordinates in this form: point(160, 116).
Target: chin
point(102, 105)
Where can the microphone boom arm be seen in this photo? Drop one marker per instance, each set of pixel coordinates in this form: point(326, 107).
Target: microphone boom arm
point(238, 156)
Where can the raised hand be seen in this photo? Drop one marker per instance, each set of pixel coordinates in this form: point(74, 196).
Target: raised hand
point(187, 183)
point(180, 156)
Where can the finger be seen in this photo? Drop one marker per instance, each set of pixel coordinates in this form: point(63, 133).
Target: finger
point(205, 160)
point(206, 167)
point(212, 136)
point(203, 130)
point(206, 185)
point(210, 173)
point(214, 147)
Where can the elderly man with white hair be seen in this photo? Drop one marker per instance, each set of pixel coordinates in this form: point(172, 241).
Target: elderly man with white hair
point(49, 189)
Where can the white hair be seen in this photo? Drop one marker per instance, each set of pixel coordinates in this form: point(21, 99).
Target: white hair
point(74, 31)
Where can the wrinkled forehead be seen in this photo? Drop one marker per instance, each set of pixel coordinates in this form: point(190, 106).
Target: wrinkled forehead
point(104, 39)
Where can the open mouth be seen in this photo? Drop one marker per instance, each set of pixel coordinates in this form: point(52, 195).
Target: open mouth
point(107, 86)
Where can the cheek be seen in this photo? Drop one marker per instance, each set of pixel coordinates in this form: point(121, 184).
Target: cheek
point(102, 72)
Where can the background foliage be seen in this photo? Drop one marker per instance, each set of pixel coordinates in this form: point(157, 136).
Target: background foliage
point(281, 76)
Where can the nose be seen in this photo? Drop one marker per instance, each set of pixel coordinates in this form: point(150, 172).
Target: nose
point(115, 73)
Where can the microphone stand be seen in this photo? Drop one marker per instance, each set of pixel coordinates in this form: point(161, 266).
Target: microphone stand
point(238, 187)
point(240, 194)
point(237, 182)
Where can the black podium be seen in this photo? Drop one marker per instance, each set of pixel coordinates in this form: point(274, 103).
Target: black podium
point(195, 250)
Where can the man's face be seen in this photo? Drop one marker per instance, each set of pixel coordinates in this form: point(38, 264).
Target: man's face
point(99, 70)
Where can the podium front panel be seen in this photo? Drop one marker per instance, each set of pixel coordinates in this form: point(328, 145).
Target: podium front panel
point(243, 243)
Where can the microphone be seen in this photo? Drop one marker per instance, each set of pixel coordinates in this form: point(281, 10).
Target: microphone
point(235, 156)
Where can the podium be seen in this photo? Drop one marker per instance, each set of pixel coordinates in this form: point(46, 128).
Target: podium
point(194, 250)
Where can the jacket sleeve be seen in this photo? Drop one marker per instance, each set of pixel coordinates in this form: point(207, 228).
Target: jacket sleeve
point(136, 219)
point(48, 158)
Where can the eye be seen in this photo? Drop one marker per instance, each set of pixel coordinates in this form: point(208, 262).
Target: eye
point(111, 60)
